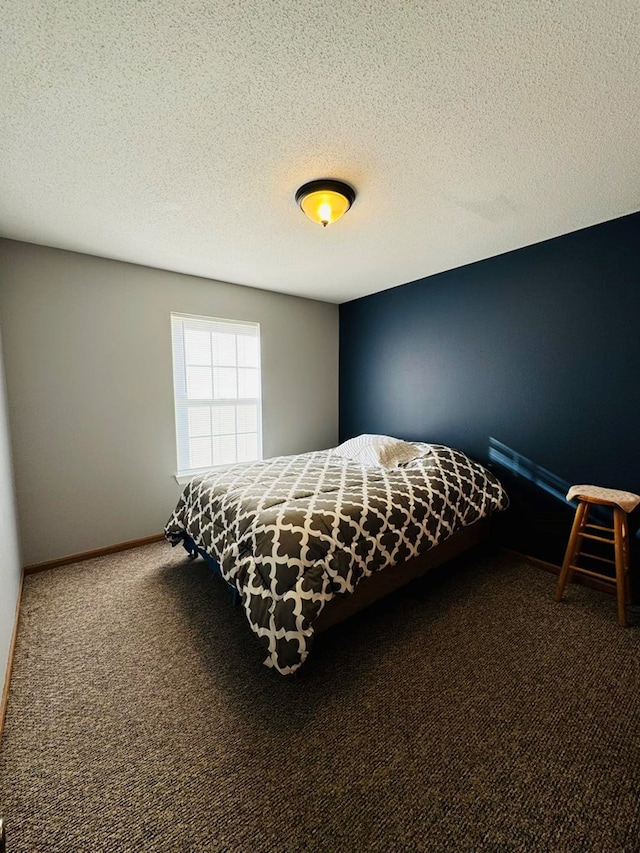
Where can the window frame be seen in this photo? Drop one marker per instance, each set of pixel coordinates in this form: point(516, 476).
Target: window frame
point(180, 322)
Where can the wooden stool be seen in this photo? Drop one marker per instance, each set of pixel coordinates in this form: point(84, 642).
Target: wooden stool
point(621, 503)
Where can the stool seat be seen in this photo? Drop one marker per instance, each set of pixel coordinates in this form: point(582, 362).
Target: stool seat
point(620, 503)
point(598, 495)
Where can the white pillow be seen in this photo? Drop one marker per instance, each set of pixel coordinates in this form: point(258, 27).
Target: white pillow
point(380, 450)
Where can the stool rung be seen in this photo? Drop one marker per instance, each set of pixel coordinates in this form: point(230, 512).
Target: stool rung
point(595, 557)
point(597, 538)
point(599, 527)
point(601, 577)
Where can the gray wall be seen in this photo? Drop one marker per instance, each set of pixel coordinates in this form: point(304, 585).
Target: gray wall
point(10, 569)
point(90, 387)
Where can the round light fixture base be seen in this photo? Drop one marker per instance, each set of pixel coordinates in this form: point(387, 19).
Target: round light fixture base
point(325, 200)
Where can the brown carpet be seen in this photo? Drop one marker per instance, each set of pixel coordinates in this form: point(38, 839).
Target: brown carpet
point(468, 712)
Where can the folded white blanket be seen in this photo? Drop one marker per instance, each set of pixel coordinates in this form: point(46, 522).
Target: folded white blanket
point(625, 500)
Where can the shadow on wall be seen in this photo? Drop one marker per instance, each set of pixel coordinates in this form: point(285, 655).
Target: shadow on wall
point(541, 516)
point(519, 466)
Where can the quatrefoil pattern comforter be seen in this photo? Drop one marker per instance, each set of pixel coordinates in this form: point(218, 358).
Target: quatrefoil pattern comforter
point(292, 532)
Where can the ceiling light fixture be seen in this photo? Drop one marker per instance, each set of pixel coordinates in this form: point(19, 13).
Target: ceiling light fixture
point(325, 201)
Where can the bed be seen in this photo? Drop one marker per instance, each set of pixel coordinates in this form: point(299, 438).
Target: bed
point(304, 541)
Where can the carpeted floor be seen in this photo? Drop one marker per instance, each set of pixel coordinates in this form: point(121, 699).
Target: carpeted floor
point(468, 712)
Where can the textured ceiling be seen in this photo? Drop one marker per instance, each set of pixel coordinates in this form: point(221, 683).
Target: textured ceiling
point(175, 134)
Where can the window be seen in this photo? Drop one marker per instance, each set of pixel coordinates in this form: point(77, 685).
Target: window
point(216, 378)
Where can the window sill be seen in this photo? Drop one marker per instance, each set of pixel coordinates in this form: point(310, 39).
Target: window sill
point(182, 477)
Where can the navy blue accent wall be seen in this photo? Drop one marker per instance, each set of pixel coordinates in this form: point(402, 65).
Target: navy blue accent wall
point(529, 361)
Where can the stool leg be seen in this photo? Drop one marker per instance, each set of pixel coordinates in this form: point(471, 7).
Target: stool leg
point(573, 548)
point(627, 557)
point(619, 524)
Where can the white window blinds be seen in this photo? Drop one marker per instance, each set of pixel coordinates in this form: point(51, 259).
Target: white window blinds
point(216, 377)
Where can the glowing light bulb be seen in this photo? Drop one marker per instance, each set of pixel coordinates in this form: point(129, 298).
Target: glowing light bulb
point(324, 212)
